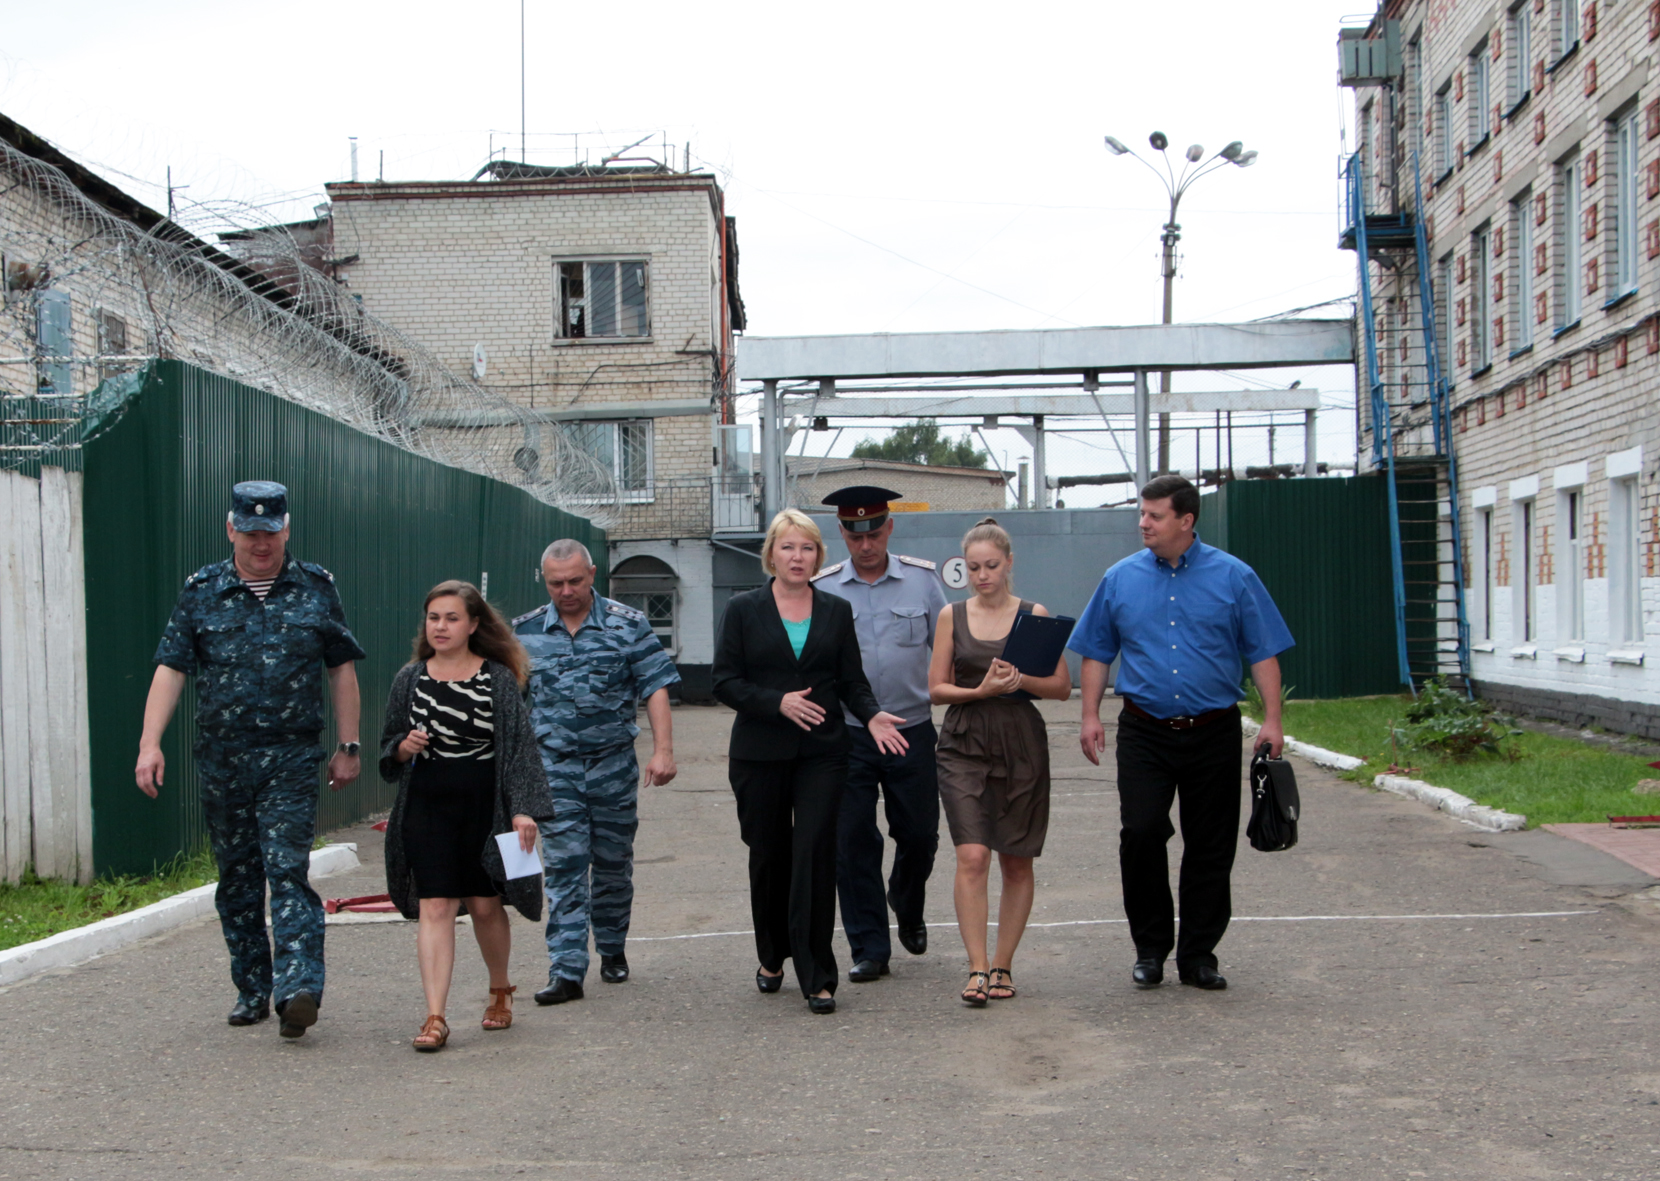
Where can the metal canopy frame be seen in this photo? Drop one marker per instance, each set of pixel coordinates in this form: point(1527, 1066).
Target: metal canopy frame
point(1135, 351)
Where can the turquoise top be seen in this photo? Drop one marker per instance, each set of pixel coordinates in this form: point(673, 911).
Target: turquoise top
point(797, 633)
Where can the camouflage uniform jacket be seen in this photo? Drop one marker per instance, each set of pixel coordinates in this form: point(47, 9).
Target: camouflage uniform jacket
point(256, 663)
point(583, 687)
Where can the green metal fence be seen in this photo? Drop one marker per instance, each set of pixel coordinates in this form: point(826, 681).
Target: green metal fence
point(1321, 547)
point(388, 525)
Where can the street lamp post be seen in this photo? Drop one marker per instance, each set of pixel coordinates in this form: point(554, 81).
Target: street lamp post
point(1176, 185)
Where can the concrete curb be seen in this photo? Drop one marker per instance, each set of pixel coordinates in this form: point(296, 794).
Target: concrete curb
point(1314, 754)
point(68, 948)
point(1453, 804)
point(1441, 798)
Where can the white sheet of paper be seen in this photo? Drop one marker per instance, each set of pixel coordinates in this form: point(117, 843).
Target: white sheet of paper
point(519, 864)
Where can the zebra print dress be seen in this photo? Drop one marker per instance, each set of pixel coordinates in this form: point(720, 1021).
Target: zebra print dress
point(452, 789)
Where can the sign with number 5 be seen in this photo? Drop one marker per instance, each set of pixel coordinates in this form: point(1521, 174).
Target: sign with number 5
point(955, 573)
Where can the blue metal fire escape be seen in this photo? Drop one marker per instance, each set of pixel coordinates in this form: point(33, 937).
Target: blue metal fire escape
point(1412, 443)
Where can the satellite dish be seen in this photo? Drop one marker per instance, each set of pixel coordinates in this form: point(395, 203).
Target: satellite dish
point(480, 362)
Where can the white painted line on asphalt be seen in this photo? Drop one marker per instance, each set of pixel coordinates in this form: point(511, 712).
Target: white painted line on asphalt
point(1273, 918)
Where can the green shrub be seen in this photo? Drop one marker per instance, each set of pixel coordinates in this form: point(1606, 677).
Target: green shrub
point(1445, 722)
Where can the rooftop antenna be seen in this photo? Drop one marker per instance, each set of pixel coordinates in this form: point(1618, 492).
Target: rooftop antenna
point(353, 138)
point(614, 156)
point(522, 156)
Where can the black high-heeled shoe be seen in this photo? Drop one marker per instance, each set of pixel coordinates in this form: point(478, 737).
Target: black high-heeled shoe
point(768, 983)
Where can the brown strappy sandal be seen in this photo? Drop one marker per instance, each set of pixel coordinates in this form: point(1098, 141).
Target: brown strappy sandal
point(433, 1034)
point(499, 1015)
point(974, 996)
point(1002, 990)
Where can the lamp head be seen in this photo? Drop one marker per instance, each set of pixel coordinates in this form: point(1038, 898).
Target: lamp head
point(1159, 140)
point(1195, 153)
point(1115, 147)
point(1232, 151)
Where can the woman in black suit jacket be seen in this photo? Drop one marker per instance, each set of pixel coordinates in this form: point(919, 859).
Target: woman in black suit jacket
point(787, 659)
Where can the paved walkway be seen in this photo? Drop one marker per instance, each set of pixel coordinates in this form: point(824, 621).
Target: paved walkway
point(1408, 998)
point(1637, 847)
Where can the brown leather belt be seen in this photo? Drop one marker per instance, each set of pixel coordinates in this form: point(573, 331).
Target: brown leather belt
point(1180, 723)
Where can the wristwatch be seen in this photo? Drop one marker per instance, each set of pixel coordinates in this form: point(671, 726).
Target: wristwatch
point(350, 748)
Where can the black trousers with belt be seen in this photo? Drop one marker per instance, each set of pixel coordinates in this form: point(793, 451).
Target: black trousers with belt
point(909, 787)
point(787, 812)
point(1204, 769)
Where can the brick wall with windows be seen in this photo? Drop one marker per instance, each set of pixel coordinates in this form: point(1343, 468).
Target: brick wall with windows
point(1553, 388)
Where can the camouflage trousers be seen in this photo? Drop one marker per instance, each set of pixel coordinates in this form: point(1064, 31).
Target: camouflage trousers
point(261, 809)
point(588, 855)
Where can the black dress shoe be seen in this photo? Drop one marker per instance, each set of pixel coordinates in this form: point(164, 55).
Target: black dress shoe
point(1204, 976)
point(298, 1013)
point(559, 990)
point(249, 1012)
point(913, 937)
point(865, 971)
point(821, 1005)
point(613, 969)
point(1148, 973)
point(768, 983)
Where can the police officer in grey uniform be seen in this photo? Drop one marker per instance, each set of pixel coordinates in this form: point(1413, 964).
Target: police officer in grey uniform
point(252, 630)
point(896, 600)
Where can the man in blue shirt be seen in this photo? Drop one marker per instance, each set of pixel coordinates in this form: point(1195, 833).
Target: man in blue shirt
point(1182, 615)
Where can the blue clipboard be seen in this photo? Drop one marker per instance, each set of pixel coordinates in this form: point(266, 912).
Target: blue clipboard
point(1035, 645)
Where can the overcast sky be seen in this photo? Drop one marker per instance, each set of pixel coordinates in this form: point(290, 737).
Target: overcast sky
point(895, 166)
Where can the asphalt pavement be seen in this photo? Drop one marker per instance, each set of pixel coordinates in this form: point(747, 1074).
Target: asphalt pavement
point(1408, 997)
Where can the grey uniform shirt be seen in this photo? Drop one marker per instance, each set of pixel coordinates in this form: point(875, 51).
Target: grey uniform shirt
point(894, 618)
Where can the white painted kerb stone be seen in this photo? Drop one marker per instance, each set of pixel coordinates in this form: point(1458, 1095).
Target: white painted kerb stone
point(68, 948)
point(1453, 804)
point(1314, 754)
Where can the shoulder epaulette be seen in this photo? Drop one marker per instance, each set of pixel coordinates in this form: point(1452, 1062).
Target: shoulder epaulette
point(314, 568)
point(205, 573)
point(922, 562)
point(828, 571)
point(529, 615)
point(612, 607)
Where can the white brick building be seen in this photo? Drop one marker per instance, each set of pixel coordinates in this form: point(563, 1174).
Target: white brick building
point(604, 300)
point(1537, 124)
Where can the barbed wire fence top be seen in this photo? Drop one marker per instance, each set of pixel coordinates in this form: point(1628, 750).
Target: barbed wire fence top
point(90, 297)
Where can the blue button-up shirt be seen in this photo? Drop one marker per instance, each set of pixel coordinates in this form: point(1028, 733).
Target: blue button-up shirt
point(583, 686)
point(1182, 629)
point(894, 619)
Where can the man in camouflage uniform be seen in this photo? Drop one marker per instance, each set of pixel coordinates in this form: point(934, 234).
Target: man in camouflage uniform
point(591, 659)
point(252, 629)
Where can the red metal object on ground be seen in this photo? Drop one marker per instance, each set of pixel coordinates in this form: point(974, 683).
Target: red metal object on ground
point(1634, 821)
point(367, 904)
point(380, 825)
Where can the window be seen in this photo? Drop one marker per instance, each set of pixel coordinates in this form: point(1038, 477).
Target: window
point(1414, 92)
point(1521, 51)
point(1521, 269)
point(112, 340)
point(1571, 180)
point(1480, 96)
point(1623, 231)
point(623, 449)
point(1484, 585)
point(1444, 322)
point(1625, 604)
point(1443, 131)
point(1524, 630)
point(603, 299)
point(1567, 26)
point(1570, 578)
point(1481, 304)
point(658, 608)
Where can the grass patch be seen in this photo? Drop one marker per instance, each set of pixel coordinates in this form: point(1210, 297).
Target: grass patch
point(37, 907)
point(1551, 780)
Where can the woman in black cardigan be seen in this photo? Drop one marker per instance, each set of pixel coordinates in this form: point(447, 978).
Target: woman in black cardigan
point(787, 660)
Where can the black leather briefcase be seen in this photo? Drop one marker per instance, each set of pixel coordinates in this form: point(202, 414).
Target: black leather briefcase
point(1275, 805)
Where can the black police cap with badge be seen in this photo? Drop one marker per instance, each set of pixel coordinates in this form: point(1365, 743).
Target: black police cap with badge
point(259, 506)
point(861, 508)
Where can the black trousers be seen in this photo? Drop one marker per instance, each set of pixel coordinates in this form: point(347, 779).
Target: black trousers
point(910, 794)
point(787, 815)
point(1204, 768)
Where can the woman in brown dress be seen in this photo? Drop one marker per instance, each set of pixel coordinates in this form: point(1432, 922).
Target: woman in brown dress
point(993, 757)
